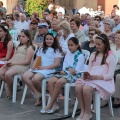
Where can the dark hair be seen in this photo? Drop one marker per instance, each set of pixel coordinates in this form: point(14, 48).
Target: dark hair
point(7, 36)
point(55, 44)
point(27, 33)
point(116, 6)
point(49, 23)
point(1, 3)
point(98, 17)
point(76, 42)
point(17, 15)
point(105, 40)
point(77, 21)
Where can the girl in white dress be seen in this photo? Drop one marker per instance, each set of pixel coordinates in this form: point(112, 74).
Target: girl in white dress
point(50, 59)
point(72, 65)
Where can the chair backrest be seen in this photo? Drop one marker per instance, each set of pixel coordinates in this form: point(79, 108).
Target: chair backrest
point(16, 43)
point(14, 34)
point(86, 54)
point(36, 47)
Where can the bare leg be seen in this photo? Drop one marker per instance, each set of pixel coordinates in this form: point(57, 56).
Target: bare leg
point(79, 95)
point(87, 94)
point(3, 70)
point(27, 77)
point(51, 86)
point(37, 84)
point(9, 80)
point(60, 82)
point(37, 81)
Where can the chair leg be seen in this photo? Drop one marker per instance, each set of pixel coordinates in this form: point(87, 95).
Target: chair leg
point(97, 106)
point(66, 99)
point(44, 93)
point(24, 94)
point(1, 89)
point(75, 108)
point(72, 95)
point(110, 107)
point(14, 88)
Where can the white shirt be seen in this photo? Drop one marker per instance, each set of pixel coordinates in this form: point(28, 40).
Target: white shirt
point(116, 28)
point(21, 25)
point(49, 56)
point(16, 24)
point(64, 42)
point(69, 60)
point(61, 9)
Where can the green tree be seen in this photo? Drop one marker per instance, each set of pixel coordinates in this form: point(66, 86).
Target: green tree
point(36, 6)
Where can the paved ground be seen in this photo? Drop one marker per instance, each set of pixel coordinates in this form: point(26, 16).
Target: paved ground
point(15, 111)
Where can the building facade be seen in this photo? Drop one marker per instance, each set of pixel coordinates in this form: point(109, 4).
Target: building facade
point(106, 4)
point(69, 4)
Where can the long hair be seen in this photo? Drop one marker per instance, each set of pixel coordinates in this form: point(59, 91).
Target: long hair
point(29, 43)
point(55, 44)
point(105, 40)
point(4, 26)
point(76, 42)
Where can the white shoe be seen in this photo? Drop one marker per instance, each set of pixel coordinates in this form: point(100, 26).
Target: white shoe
point(43, 111)
point(53, 110)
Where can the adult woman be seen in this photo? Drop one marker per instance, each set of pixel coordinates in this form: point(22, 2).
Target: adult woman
point(66, 35)
point(75, 24)
point(116, 50)
point(90, 45)
point(6, 45)
point(98, 78)
point(108, 26)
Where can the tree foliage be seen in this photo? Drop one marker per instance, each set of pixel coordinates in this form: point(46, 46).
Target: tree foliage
point(36, 6)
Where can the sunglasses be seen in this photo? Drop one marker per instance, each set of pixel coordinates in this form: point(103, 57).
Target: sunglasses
point(33, 23)
point(96, 19)
point(91, 34)
point(106, 23)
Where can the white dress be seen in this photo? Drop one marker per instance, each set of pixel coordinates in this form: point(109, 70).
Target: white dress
point(48, 58)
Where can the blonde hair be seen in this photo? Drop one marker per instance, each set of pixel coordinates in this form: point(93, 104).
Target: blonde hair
point(65, 25)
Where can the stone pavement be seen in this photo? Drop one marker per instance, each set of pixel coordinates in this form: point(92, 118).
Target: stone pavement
point(16, 111)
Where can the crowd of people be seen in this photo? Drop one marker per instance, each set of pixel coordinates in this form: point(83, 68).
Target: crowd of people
point(60, 37)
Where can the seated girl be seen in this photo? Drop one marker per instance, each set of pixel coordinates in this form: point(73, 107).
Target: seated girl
point(50, 59)
point(6, 45)
point(72, 65)
point(19, 63)
point(98, 78)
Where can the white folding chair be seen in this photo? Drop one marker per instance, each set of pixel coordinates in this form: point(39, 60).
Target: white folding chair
point(97, 106)
point(26, 87)
point(68, 85)
point(16, 43)
point(16, 77)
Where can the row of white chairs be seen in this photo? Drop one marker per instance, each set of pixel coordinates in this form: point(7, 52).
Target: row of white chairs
point(67, 92)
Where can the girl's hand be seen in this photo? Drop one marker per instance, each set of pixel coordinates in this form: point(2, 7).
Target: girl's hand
point(86, 75)
point(72, 71)
point(41, 68)
point(9, 64)
point(33, 68)
point(62, 73)
point(93, 77)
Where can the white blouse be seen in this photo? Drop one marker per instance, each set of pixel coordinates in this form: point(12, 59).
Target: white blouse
point(64, 42)
point(69, 60)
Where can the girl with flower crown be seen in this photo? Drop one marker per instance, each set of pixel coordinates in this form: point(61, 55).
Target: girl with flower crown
point(72, 65)
point(6, 45)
